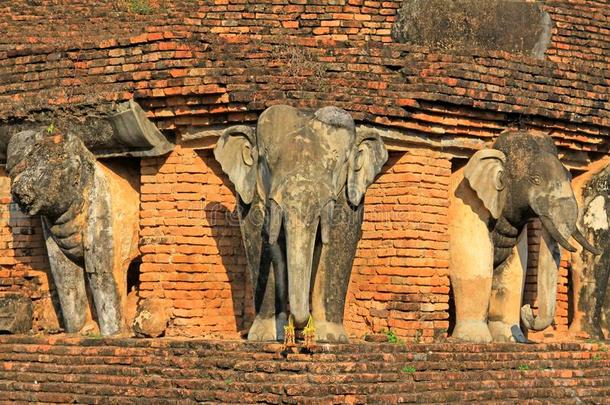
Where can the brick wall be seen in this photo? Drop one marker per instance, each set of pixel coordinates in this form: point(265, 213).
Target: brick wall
point(191, 245)
point(24, 267)
point(195, 65)
point(161, 371)
point(400, 277)
point(200, 65)
point(193, 257)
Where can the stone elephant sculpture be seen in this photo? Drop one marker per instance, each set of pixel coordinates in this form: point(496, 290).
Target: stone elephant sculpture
point(300, 179)
point(90, 222)
point(493, 197)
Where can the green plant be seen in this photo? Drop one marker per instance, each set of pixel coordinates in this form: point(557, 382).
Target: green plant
point(523, 367)
point(140, 7)
point(597, 357)
point(51, 128)
point(391, 335)
point(229, 381)
point(408, 369)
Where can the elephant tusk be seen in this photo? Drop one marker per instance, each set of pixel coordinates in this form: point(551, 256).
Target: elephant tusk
point(275, 222)
point(326, 219)
point(580, 238)
point(548, 224)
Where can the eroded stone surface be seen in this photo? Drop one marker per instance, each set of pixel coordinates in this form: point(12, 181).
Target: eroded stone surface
point(90, 221)
point(152, 318)
point(300, 179)
point(591, 273)
point(110, 130)
point(494, 25)
point(492, 199)
point(15, 314)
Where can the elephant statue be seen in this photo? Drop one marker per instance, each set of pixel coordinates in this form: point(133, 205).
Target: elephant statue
point(492, 198)
point(300, 178)
point(591, 274)
point(90, 222)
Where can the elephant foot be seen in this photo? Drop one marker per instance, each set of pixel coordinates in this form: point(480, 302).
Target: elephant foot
point(330, 332)
point(90, 329)
point(472, 331)
point(506, 332)
point(268, 329)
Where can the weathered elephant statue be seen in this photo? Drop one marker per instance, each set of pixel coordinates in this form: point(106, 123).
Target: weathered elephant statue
point(591, 274)
point(300, 180)
point(90, 222)
point(493, 197)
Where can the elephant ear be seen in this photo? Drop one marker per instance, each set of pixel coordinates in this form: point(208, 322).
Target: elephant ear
point(485, 174)
point(365, 162)
point(237, 154)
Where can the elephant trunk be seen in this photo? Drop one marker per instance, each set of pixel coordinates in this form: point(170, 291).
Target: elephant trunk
point(548, 264)
point(300, 242)
point(559, 225)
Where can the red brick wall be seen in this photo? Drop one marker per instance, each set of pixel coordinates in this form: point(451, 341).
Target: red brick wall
point(191, 245)
point(192, 253)
point(400, 277)
point(24, 267)
point(193, 257)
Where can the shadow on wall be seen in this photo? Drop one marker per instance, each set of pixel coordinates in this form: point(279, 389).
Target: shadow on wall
point(225, 230)
point(30, 268)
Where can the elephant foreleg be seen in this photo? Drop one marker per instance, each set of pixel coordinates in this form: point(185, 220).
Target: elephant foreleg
point(69, 282)
point(471, 263)
point(507, 294)
point(333, 273)
point(270, 297)
point(107, 302)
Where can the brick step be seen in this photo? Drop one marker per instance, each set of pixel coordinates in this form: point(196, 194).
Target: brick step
point(386, 381)
point(596, 395)
point(18, 361)
point(163, 371)
point(380, 352)
point(253, 347)
point(373, 353)
point(202, 390)
point(164, 377)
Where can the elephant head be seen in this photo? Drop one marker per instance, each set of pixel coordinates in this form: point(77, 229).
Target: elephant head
point(521, 178)
point(59, 162)
point(299, 163)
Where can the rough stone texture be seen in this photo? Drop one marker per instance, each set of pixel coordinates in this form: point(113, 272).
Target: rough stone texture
point(110, 131)
point(89, 217)
point(591, 273)
point(300, 180)
point(499, 191)
point(161, 371)
point(515, 26)
point(152, 318)
point(15, 314)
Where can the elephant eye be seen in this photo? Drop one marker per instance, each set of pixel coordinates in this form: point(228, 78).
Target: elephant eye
point(536, 179)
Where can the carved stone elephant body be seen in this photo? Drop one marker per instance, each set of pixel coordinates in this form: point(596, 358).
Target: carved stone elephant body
point(493, 198)
point(90, 222)
point(300, 180)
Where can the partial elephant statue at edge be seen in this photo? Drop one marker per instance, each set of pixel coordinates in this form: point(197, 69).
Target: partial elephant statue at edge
point(90, 222)
point(492, 199)
point(300, 181)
